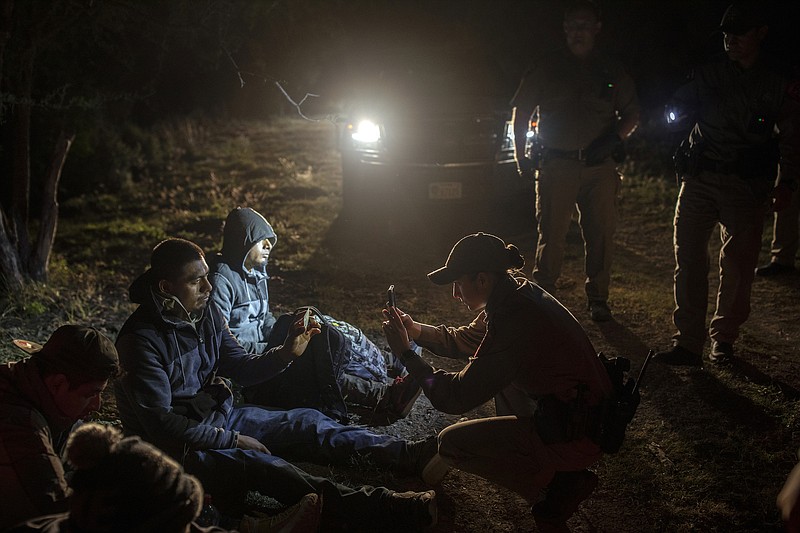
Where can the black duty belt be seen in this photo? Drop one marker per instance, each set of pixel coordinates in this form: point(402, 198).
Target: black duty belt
point(577, 155)
point(718, 167)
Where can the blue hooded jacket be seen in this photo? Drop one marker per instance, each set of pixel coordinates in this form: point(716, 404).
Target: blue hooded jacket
point(169, 393)
point(240, 294)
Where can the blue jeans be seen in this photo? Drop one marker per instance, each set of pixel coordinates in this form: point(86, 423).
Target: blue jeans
point(308, 435)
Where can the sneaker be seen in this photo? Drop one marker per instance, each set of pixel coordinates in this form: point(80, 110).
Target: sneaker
point(302, 517)
point(562, 498)
point(399, 398)
point(721, 352)
point(774, 269)
point(600, 312)
point(414, 509)
point(424, 460)
point(678, 356)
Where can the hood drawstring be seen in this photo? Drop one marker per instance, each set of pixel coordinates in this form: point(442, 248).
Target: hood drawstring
point(178, 350)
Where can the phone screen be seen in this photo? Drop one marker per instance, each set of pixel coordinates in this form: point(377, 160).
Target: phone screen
point(390, 297)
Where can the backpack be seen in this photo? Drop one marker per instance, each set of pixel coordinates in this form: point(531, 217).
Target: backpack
point(621, 406)
point(311, 380)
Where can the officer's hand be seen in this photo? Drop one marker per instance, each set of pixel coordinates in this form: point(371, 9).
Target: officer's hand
point(602, 148)
point(412, 328)
point(249, 443)
point(395, 331)
point(781, 197)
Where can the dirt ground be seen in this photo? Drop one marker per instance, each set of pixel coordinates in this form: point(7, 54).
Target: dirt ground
point(709, 448)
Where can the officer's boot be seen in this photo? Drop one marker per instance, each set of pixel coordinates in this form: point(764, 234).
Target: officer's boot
point(562, 497)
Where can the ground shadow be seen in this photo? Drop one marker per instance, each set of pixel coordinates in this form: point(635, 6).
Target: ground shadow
point(746, 371)
point(623, 340)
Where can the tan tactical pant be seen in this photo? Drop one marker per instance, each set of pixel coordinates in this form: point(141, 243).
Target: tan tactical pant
point(563, 184)
point(705, 201)
point(785, 233)
point(507, 450)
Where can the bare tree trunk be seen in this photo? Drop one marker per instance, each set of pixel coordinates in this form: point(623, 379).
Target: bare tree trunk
point(6, 25)
point(40, 259)
point(21, 177)
point(10, 270)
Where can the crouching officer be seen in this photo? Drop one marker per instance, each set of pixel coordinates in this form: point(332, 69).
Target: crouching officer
point(523, 347)
point(587, 106)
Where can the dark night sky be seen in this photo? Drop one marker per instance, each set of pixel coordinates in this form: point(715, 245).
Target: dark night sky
point(659, 41)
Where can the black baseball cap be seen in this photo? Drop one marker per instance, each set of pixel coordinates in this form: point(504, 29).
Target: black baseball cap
point(741, 17)
point(479, 252)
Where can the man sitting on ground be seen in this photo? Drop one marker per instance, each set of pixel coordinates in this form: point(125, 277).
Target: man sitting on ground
point(174, 349)
point(41, 398)
point(239, 277)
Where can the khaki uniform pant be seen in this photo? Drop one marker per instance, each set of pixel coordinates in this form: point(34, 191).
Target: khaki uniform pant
point(785, 233)
point(563, 184)
point(507, 450)
point(703, 202)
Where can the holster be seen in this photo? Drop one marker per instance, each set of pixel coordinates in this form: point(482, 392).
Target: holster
point(566, 421)
point(687, 160)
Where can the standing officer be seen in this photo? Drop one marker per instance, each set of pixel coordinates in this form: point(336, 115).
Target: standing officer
point(587, 105)
point(728, 172)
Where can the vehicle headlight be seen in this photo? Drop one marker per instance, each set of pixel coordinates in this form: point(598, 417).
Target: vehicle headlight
point(365, 131)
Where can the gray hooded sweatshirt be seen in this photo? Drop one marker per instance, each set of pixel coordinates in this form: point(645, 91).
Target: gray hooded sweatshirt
point(242, 295)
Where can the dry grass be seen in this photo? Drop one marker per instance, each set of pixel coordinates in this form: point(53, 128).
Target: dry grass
point(708, 450)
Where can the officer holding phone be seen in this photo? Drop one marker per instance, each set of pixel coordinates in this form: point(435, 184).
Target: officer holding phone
point(525, 349)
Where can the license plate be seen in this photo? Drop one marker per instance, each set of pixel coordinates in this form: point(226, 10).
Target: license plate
point(444, 190)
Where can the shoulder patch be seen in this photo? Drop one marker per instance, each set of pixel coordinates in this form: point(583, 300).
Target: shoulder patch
point(793, 90)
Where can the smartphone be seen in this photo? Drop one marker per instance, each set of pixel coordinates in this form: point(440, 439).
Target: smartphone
point(390, 301)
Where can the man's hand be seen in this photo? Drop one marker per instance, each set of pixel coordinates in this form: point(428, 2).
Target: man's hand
point(396, 331)
point(249, 443)
point(781, 197)
point(298, 337)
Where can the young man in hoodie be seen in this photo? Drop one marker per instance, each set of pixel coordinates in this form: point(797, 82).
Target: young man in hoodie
point(173, 350)
point(239, 279)
point(41, 399)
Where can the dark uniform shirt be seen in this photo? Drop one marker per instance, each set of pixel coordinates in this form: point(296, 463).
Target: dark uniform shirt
point(578, 99)
point(735, 110)
point(525, 344)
